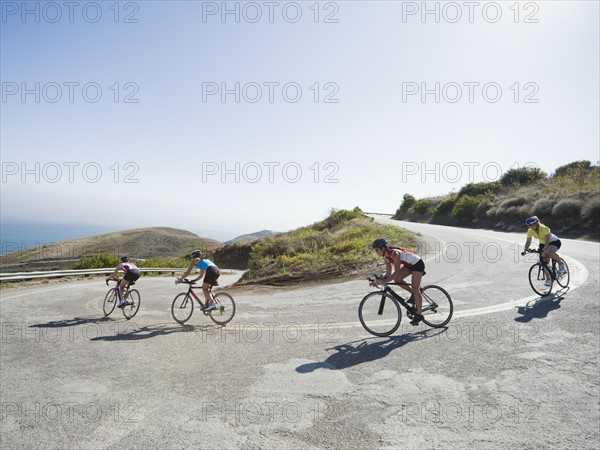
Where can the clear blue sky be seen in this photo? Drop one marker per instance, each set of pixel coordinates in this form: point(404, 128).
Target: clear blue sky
point(370, 133)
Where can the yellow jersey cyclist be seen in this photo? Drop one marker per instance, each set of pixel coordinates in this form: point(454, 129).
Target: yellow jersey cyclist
point(211, 274)
point(549, 243)
point(132, 274)
point(404, 263)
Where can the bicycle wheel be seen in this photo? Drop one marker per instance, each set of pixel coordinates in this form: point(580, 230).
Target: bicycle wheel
point(110, 301)
point(182, 308)
point(225, 309)
point(563, 280)
point(537, 278)
point(379, 313)
point(437, 306)
point(134, 299)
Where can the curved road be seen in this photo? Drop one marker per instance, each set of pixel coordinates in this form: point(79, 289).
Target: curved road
point(296, 370)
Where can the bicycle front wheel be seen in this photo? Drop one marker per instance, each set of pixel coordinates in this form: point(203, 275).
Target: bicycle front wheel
point(563, 278)
point(537, 280)
point(110, 301)
point(182, 308)
point(134, 300)
point(379, 314)
point(437, 306)
point(225, 309)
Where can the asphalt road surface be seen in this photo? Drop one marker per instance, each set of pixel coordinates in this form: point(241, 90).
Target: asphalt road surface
point(295, 369)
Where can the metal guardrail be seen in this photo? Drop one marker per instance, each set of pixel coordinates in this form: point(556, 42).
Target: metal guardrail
point(65, 273)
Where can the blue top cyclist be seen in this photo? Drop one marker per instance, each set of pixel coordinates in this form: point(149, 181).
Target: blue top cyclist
point(207, 267)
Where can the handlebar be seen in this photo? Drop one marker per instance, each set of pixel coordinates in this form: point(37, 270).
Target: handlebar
point(381, 277)
point(186, 281)
point(112, 279)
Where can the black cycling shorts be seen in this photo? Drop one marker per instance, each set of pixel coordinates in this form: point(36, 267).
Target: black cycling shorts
point(556, 243)
point(131, 275)
point(212, 275)
point(418, 267)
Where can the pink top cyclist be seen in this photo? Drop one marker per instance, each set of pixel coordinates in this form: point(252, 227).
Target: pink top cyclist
point(400, 263)
point(132, 274)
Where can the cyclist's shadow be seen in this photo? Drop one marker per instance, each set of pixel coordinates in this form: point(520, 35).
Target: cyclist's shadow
point(136, 333)
point(539, 309)
point(71, 322)
point(349, 355)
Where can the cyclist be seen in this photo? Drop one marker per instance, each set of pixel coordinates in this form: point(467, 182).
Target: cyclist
point(549, 244)
point(132, 273)
point(207, 267)
point(404, 263)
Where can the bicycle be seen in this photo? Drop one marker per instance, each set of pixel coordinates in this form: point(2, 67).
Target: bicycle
point(132, 297)
point(437, 308)
point(183, 305)
point(539, 272)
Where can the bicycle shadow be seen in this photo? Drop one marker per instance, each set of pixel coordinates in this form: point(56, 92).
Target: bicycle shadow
point(349, 355)
point(539, 308)
point(148, 332)
point(72, 322)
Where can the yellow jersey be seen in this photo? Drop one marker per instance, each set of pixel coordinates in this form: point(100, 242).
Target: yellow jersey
point(541, 234)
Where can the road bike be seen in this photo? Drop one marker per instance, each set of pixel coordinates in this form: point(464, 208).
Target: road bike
point(183, 305)
point(380, 314)
point(542, 271)
point(132, 297)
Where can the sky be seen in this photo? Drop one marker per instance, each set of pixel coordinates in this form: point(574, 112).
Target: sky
point(226, 118)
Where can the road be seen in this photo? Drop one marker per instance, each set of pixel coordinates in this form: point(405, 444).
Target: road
point(295, 369)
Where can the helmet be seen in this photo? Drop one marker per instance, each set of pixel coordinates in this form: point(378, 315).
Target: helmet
point(379, 243)
point(196, 254)
point(124, 258)
point(532, 220)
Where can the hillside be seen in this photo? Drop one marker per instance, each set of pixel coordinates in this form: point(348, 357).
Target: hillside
point(155, 242)
point(568, 201)
point(338, 246)
point(246, 238)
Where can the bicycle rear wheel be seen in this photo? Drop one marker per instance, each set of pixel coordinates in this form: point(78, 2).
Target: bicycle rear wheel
point(437, 306)
point(537, 278)
point(565, 277)
point(379, 314)
point(182, 308)
point(110, 301)
point(225, 309)
point(134, 299)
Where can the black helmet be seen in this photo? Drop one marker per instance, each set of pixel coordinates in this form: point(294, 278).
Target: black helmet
point(124, 258)
point(380, 243)
point(196, 254)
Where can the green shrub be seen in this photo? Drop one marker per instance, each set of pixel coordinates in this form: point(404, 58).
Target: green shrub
point(568, 210)
point(574, 169)
point(445, 206)
point(99, 261)
point(475, 189)
point(464, 209)
point(407, 202)
point(522, 176)
point(422, 207)
point(590, 212)
point(543, 207)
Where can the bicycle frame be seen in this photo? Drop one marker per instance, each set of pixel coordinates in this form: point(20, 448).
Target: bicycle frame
point(397, 297)
point(193, 295)
point(550, 268)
